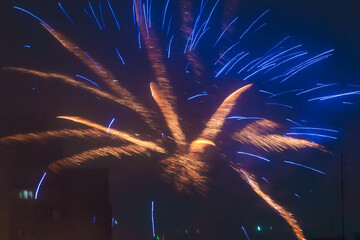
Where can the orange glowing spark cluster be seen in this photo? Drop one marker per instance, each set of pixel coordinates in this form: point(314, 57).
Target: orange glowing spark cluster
point(257, 134)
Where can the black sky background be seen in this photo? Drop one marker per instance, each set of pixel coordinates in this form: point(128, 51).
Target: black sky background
point(134, 183)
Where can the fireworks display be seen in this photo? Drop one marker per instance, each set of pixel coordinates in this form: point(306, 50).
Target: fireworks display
point(263, 76)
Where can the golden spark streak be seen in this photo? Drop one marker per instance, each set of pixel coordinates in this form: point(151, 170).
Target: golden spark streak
point(286, 215)
point(119, 134)
point(216, 122)
point(255, 134)
point(64, 133)
point(77, 159)
point(76, 83)
point(169, 114)
point(104, 74)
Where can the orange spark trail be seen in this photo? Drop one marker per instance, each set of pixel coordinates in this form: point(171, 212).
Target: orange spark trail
point(77, 159)
point(286, 215)
point(104, 74)
point(216, 122)
point(169, 114)
point(255, 134)
point(84, 86)
point(119, 134)
point(64, 133)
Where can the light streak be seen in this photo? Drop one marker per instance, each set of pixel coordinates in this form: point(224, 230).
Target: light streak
point(87, 80)
point(335, 96)
point(212, 10)
point(122, 60)
point(101, 16)
point(286, 60)
point(152, 218)
point(265, 180)
point(257, 29)
point(286, 215)
point(349, 103)
point(312, 89)
point(244, 118)
point(225, 31)
point(254, 23)
point(236, 63)
point(26, 46)
point(314, 128)
point(94, 15)
point(312, 134)
point(301, 165)
point(279, 104)
point(198, 95)
point(169, 46)
point(111, 122)
point(164, 16)
point(21, 9)
point(253, 155)
point(296, 195)
point(87, 13)
point(290, 91)
point(39, 185)
point(227, 64)
point(67, 15)
point(227, 50)
point(169, 25)
point(293, 122)
point(87, 55)
point(245, 232)
point(112, 12)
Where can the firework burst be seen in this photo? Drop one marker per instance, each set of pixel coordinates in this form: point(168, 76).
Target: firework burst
point(184, 166)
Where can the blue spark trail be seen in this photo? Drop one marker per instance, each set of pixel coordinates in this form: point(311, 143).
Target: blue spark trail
point(87, 80)
point(39, 185)
point(279, 54)
point(101, 16)
point(263, 91)
point(349, 103)
point(169, 25)
point(312, 134)
point(312, 89)
point(286, 60)
point(248, 65)
point(265, 180)
point(254, 23)
point(314, 128)
point(92, 10)
point(87, 13)
point(253, 155)
point(335, 96)
point(111, 122)
point(236, 62)
point(122, 60)
point(244, 118)
point(257, 71)
point(352, 85)
point(169, 46)
point(67, 15)
point(197, 41)
point(245, 232)
point(279, 104)
point(227, 64)
point(93, 61)
point(152, 218)
point(227, 50)
point(139, 39)
point(258, 28)
point(134, 15)
point(146, 21)
point(293, 122)
point(33, 16)
point(225, 31)
point(297, 195)
point(212, 10)
point(166, 7)
point(300, 165)
point(112, 12)
point(198, 95)
point(26, 46)
point(290, 91)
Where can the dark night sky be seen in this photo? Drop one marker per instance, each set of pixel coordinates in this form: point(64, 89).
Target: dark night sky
point(320, 25)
